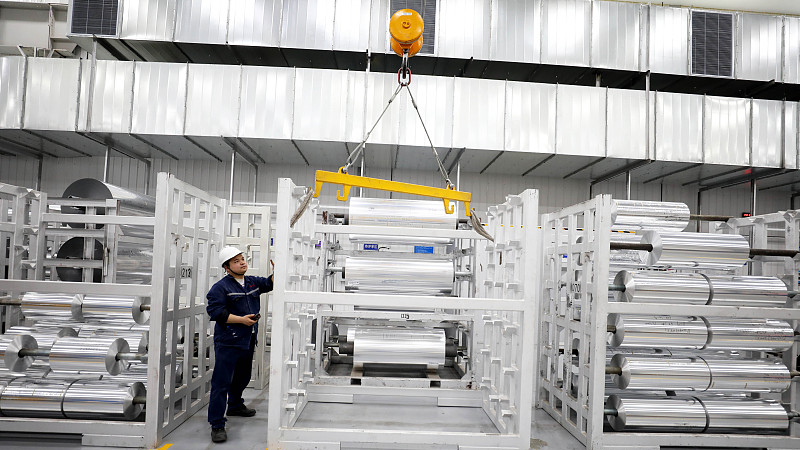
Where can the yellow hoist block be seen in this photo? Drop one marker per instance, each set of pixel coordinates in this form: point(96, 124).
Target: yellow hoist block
point(405, 28)
point(347, 181)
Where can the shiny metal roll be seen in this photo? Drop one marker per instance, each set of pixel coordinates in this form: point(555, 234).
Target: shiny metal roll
point(102, 400)
point(643, 332)
point(663, 287)
point(745, 413)
point(137, 340)
point(748, 375)
point(36, 306)
point(627, 258)
point(749, 334)
point(88, 355)
point(416, 346)
point(44, 337)
point(134, 262)
point(25, 397)
point(400, 213)
point(10, 346)
point(635, 215)
point(657, 414)
point(114, 308)
point(399, 276)
point(767, 292)
point(696, 250)
point(91, 188)
point(661, 374)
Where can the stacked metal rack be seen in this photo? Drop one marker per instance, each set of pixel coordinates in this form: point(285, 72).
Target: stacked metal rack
point(188, 231)
point(403, 345)
point(669, 318)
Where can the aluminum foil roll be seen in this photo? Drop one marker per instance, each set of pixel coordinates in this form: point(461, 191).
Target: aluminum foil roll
point(661, 374)
point(102, 400)
point(657, 414)
point(27, 397)
point(696, 250)
point(137, 340)
point(627, 258)
point(745, 413)
point(114, 308)
point(9, 351)
point(645, 332)
point(398, 276)
point(767, 292)
point(417, 346)
point(44, 337)
point(748, 375)
point(88, 355)
point(750, 334)
point(663, 287)
point(91, 188)
point(635, 215)
point(134, 262)
point(37, 306)
point(400, 213)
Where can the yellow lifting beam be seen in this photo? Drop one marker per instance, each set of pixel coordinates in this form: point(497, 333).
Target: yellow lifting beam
point(347, 181)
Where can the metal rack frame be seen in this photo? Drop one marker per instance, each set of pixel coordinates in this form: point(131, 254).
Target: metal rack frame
point(574, 311)
point(189, 231)
point(251, 233)
point(504, 332)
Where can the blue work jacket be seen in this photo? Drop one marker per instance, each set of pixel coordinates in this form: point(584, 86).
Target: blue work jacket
point(228, 297)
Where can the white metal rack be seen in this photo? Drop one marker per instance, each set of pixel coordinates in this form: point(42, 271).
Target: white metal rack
point(502, 356)
point(189, 231)
point(574, 312)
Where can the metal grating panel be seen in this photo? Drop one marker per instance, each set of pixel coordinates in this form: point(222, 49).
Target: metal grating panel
point(426, 9)
point(767, 137)
point(760, 44)
point(669, 50)
point(94, 17)
point(615, 35)
point(530, 117)
point(726, 131)
point(516, 30)
point(255, 22)
point(679, 127)
point(581, 121)
point(464, 29)
point(11, 85)
point(148, 20)
point(712, 44)
point(566, 32)
point(167, 83)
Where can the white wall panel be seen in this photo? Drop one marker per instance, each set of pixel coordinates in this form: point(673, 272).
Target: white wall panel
point(320, 117)
point(767, 133)
point(580, 122)
point(627, 123)
point(669, 42)
point(435, 99)
point(148, 19)
point(679, 127)
point(791, 52)
point(12, 79)
point(212, 88)
point(760, 40)
point(19, 171)
point(51, 94)
point(463, 29)
point(351, 25)
point(267, 102)
point(530, 117)
point(308, 24)
point(255, 22)
point(516, 30)
point(615, 35)
point(479, 110)
point(790, 149)
point(379, 26)
point(167, 83)
point(566, 32)
point(204, 21)
point(726, 132)
point(112, 97)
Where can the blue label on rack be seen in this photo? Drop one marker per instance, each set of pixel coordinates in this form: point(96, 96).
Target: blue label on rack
point(270, 241)
point(422, 249)
point(373, 247)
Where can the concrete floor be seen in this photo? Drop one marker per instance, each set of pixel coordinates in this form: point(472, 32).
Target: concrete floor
point(251, 433)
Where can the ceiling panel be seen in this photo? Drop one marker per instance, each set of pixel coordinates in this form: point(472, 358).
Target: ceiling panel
point(515, 163)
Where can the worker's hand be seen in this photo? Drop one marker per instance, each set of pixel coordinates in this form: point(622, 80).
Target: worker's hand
point(249, 320)
point(273, 265)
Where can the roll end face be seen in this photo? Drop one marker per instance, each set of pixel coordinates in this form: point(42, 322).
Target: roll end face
point(625, 278)
point(11, 358)
point(132, 410)
point(139, 316)
point(617, 422)
point(623, 380)
point(616, 338)
point(113, 365)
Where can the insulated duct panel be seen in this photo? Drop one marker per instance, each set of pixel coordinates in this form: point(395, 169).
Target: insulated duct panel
point(202, 21)
point(308, 103)
point(530, 117)
point(627, 124)
point(767, 133)
point(148, 20)
point(581, 108)
point(615, 35)
point(479, 109)
point(437, 110)
point(463, 29)
point(12, 78)
point(167, 83)
point(307, 24)
point(516, 33)
point(266, 85)
point(255, 23)
point(678, 127)
point(668, 45)
point(791, 50)
point(213, 88)
point(351, 25)
point(51, 94)
point(760, 39)
point(112, 97)
point(726, 132)
point(379, 89)
point(790, 150)
point(566, 32)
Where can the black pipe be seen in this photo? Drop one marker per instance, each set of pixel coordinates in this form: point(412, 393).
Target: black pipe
point(753, 251)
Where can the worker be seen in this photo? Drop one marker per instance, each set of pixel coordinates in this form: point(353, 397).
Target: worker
point(233, 303)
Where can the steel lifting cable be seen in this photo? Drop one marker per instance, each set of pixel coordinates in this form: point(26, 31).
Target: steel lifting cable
point(351, 158)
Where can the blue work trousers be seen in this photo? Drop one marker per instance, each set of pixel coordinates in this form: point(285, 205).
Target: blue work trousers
point(231, 375)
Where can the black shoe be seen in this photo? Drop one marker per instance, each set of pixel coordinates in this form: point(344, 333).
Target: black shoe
point(218, 435)
point(244, 411)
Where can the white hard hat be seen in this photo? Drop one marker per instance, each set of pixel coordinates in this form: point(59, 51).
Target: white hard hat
point(227, 253)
